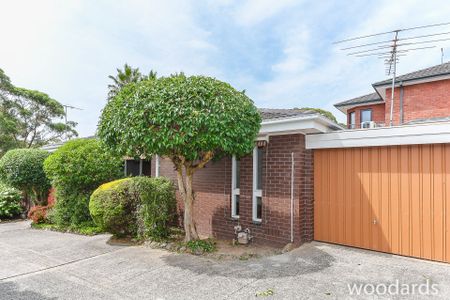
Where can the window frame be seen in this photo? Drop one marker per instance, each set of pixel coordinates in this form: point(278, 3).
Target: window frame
point(361, 115)
point(235, 191)
point(257, 193)
point(352, 125)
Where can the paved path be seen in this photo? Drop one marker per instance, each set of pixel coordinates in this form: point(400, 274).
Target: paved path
point(37, 264)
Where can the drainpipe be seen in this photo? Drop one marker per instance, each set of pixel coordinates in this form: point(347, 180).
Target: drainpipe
point(401, 102)
point(292, 197)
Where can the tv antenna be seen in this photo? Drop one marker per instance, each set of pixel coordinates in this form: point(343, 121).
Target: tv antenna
point(391, 49)
point(66, 107)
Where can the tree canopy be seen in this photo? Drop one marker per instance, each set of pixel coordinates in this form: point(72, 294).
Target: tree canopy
point(180, 116)
point(29, 118)
point(190, 120)
point(23, 169)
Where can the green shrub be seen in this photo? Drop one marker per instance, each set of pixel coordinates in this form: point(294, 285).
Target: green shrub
point(23, 170)
point(137, 206)
point(113, 207)
point(157, 206)
point(10, 199)
point(76, 169)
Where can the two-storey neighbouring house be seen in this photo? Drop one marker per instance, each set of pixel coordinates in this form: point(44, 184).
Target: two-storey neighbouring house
point(420, 96)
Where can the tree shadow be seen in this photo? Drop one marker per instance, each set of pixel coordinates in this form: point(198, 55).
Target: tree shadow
point(10, 290)
point(304, 260)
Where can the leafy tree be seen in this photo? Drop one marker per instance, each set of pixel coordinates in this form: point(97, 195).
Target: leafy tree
point(76, 169)
point(323, 112)
point(126, 76)
point(190, 120)
point(23, 169)
point(28, 118)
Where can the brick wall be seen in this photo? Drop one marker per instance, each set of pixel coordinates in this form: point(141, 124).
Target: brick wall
point(378, 114)
point(212, 207)
point(420, 101)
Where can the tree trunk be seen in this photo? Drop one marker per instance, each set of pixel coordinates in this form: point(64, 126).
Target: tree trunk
point(189, 225)
point(187, 195)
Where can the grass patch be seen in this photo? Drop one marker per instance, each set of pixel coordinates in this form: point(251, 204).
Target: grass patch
point(204, 246)
point(86, 229)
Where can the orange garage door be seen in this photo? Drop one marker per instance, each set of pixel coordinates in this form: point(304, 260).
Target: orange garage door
point(393, 199)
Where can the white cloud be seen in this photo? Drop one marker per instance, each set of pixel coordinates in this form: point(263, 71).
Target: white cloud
point(313, 72)
point(281, 52)
point(67, 49)
point(252, 12)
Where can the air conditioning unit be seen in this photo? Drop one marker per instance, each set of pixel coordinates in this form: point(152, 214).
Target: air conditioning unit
point(370, 124)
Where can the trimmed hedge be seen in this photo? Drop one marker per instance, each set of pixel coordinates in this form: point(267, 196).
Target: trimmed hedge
point(76, 169)
point(23, 170)
point(137, 206)
point(10, 199)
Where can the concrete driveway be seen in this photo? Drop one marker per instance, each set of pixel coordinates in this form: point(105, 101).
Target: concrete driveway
point(38, 264)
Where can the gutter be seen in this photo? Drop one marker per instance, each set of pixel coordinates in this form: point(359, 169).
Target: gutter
point(318, 117)
point(411, 79)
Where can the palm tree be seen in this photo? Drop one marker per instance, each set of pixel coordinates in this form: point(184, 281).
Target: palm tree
point(123, 77)
point(152, 75)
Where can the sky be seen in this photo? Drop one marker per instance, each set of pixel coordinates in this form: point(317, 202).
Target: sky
point(281, 52)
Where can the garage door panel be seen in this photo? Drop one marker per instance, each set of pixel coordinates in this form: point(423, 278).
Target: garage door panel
point(391, 199)
point(404, 194)
point(447, 203)
point(394, 200)
point(416, 224)
point(375, 198)
point(426, 202)
point(385, 221)
point(437, 204)
point(348, 170)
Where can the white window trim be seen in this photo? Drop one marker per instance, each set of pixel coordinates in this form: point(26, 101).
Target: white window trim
point(157, 166)
point(256, 192)
point(234, 191)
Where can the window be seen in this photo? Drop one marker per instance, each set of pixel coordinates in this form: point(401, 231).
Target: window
point(258, 158)
point(366, 115)
point(137, 167)
point(352, 120)
point(235, 189)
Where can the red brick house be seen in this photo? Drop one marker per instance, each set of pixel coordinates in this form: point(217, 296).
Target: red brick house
point(420, 96)
point(269, 191)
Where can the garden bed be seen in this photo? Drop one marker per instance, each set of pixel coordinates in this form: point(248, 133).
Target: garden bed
point(211, 248)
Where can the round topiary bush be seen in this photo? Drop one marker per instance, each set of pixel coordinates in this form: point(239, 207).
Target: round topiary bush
point(10, 199)
point(113, 207)
point(137, 206)
point(23, 170)
point(76, 169)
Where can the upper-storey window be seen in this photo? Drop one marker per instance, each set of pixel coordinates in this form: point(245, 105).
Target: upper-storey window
point(352, 120)
point(366, 115)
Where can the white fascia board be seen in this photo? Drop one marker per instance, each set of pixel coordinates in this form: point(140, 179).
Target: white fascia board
point(305, 125)
point(431, 133)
